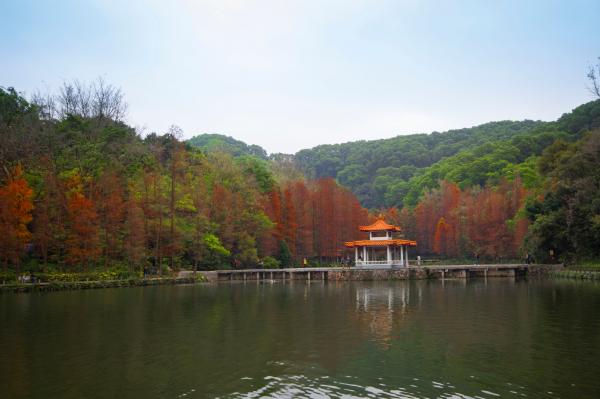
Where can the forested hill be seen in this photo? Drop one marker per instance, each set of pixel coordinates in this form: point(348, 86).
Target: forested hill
point(218, 142)
point(79, 188)
point(396, 171)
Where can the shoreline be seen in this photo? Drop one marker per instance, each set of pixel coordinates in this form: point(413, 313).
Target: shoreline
point(316, 274)
point(575, 274)
point(97, 284)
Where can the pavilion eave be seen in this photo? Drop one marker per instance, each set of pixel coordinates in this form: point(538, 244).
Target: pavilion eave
point(380, 243)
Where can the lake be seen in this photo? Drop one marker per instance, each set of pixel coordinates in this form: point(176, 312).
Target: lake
point(405, 339)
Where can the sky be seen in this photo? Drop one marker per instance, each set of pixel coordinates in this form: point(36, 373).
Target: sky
point(288, 75)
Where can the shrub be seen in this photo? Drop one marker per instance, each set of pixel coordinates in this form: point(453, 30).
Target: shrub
point(7, 276)
point(270, 263)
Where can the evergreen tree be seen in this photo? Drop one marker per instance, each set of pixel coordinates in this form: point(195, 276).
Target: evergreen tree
point(284, 256)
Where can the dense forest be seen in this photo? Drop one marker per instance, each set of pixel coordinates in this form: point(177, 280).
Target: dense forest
point(81, 190)
point(397, 171)
point(484, 191)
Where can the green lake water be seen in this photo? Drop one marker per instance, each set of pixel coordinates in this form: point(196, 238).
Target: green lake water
point(405, 339)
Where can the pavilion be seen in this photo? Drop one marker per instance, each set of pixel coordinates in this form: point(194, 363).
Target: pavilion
point(383, 248)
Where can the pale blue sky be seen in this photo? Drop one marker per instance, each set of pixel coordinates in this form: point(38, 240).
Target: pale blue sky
point(293, 74)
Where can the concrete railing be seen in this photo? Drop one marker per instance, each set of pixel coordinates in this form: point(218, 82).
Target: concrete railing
point(379, 262)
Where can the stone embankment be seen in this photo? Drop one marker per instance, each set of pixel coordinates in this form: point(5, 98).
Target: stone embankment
point(383, 273)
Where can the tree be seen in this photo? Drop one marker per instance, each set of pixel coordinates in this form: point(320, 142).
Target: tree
point(200, 202)
point(15, 213)
point(135, 235)
point(594, 78)
point(284, 256)
point(565, 219)
point(215, 254)
point(246, 252)
point(176, 170)
point(290, 225)
point(442, 237)
point(154, 205)
point(302, 198)
point(111, 212)
point(50, 216)
point(83, 234)
point(98, 99)
point(271, 205)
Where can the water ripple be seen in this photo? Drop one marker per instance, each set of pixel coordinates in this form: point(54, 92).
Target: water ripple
point(325, 387)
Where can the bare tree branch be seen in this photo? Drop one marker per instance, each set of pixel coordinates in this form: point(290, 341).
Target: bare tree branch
point(66, 100)
point(45, 103)
point(108, 101)
point(594, 77)
point(84, 99)
point(96, 100)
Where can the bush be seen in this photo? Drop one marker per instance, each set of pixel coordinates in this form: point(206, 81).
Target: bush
point(270, 263)
point(7, 276)
point(118, 273)
point(165, 270)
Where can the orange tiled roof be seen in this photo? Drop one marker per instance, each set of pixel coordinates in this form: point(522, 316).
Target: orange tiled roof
point(379, 225)
point(379, 243)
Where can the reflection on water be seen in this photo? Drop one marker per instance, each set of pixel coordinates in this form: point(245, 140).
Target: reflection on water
point(382, 309)
point(476, 339)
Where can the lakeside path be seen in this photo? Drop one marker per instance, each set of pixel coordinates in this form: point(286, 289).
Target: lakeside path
point(384, 272)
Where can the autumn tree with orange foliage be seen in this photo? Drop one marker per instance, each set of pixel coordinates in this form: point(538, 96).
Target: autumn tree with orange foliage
point(111, 214)
point(313, 220)
point(303, 205)
point(49, 217)
point(15, 213)
point(290, 225)
point(83, 234)
point(485, 221)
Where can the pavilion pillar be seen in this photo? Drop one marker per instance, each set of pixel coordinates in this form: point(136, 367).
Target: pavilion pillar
point(355, 255)
point(365, 254)
point(406, 257)
point(402, 255)
point(389, 254)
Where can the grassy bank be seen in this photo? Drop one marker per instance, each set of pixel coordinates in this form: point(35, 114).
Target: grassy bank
point(93, 284)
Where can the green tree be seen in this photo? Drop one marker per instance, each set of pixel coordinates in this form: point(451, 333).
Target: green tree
point(566, 217)
point(284, 255)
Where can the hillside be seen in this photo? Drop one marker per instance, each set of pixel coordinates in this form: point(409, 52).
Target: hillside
point(82, 190)
point(396, 171)
point(219, 142)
